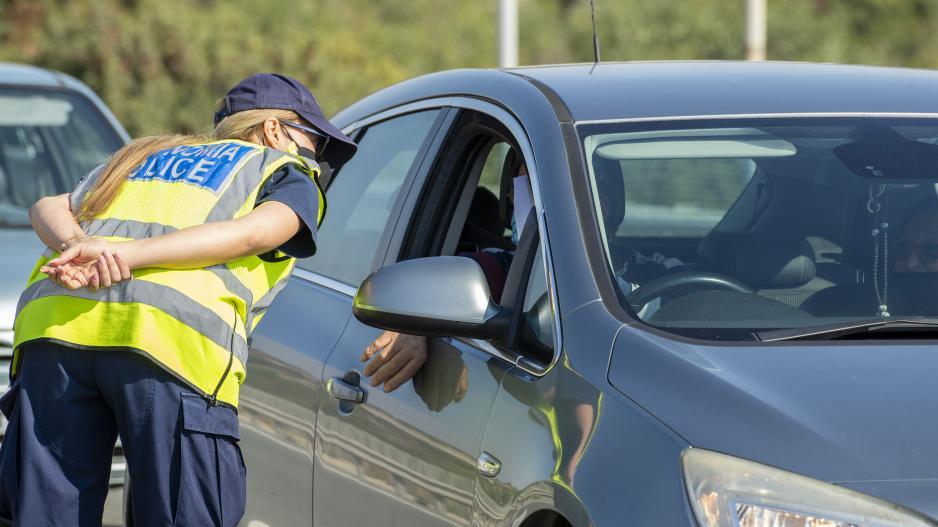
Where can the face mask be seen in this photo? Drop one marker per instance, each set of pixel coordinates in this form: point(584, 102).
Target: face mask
point(325, 175)
point(514, 230)
point(293, 148)
point(522, 205)
point(305, 153)
point(302, 152)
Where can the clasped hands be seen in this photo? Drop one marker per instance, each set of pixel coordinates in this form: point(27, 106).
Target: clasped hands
point(88, 262)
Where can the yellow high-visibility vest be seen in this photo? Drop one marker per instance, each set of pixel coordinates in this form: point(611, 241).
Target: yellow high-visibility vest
point(194, 322)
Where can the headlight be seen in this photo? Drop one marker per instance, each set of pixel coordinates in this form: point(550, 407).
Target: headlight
point(730, 492)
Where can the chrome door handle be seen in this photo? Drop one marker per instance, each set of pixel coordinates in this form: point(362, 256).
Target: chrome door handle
point(344, 391)
point(488, 465)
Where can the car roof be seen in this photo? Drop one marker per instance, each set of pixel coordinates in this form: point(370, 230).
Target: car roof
point(688, 88)
point(22, 74)
point(652, 90)
point(26, 75)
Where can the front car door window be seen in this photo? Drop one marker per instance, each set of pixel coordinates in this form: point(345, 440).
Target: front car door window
point(363, 195)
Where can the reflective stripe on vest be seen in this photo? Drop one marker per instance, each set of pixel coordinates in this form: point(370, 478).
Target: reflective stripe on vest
point(113, 227)
point(195, 323)
point(167, 299)
point(260, 307)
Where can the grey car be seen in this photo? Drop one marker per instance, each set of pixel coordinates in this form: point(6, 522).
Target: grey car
point(718, 312)
point(53, 131)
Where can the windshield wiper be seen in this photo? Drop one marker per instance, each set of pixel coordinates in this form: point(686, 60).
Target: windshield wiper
point(913, 327)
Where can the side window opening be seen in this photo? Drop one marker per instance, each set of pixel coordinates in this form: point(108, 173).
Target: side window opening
point(471, 207)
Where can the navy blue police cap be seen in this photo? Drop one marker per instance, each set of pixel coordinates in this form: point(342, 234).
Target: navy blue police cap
point(275, 91)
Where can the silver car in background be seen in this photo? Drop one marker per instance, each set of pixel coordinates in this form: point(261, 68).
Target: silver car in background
point(53, 131)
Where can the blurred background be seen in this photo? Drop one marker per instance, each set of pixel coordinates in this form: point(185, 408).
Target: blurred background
point(161, 64)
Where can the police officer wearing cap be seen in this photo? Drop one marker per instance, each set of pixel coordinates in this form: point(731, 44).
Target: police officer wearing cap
point(170, 254)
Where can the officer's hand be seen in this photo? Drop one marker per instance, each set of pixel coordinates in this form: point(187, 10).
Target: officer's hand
point(84, 253)
point(395, 358)
point(68, 275)
point(109, 270)
point(89, 263)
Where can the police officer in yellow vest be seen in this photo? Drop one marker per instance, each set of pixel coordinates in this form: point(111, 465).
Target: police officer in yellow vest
point(171, 253)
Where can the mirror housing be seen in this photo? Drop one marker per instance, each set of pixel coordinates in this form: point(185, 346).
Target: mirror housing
point(435, 296)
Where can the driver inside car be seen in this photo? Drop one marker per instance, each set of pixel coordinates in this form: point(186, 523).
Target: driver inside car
point(916, 262)
point(396, 357)
point(912, 281)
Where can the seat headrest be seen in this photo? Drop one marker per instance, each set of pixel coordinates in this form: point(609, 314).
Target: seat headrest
point(761, 261)
point(4, 190)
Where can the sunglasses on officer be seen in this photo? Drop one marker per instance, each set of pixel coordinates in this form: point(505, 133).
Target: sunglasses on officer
point(323, 139)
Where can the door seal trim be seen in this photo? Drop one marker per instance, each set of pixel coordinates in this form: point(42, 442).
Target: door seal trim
point(325, 281)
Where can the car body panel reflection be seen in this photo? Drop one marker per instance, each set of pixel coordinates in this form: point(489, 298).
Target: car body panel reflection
point(410, 454)
point(278, 401)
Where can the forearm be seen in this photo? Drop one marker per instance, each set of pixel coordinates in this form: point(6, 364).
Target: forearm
point(266, 228)
point(53, 221)
point(198, 246)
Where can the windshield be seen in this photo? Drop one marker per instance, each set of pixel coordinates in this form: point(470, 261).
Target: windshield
point(717, 229)
point(48, 141)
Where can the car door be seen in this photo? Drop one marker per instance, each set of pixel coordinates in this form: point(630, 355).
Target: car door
point(410, 457)
point(279, 399)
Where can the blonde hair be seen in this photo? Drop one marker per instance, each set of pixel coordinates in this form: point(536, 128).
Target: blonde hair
point(244, 126)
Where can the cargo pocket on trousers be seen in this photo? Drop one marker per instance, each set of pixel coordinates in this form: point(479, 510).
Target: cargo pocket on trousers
point(211, 487)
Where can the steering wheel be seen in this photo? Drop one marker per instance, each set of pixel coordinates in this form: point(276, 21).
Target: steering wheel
point(684, 281)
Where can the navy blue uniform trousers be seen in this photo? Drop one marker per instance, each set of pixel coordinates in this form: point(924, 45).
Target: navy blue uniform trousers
point(66, 409)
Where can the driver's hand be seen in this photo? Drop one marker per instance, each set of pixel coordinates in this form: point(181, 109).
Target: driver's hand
point(395, 358)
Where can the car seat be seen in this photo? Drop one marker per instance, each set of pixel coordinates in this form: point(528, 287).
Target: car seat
point(775, 266)
point(484, 226)
point(611, 189)
point(4, 186)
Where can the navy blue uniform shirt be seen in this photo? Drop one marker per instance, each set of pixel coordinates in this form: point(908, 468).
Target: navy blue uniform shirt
point(297, 191)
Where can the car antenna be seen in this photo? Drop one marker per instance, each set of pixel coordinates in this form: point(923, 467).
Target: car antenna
point(595, 36)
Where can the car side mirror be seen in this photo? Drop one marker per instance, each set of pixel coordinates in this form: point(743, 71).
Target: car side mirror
point(435, 296)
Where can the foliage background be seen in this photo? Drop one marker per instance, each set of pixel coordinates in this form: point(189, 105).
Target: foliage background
point(161, 64)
